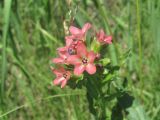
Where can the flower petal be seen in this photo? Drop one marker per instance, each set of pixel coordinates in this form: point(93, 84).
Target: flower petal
point(74, 59)
point(58, 60)
point(64, 82)
point(81, 50)
point(75, 31)
point(79, 69)
point(86, 27)
point(58, 72)
point(61, 69)
point(91, 56)
point(63, 54)
point(100, 35)
point(108, 39)
point(91, 68)
point(62, 49)
point(68, 75)
point(69, 40)
point(58, 80)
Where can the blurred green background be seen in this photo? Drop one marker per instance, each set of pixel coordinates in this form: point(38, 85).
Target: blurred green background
point(30, 32)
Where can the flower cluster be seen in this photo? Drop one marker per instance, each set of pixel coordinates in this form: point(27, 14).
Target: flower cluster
point(75, 53)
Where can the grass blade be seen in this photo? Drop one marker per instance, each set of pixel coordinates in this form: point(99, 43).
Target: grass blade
point(38, 101)
point(7, 8)
point(139, 39)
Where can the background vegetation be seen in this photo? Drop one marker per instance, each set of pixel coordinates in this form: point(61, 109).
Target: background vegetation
point(30, 32)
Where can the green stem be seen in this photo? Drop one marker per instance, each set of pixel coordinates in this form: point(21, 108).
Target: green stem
point(94, 95)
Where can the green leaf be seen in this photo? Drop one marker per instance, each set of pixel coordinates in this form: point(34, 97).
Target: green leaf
point(108, 78)
point(105, 61)
point(137, 112)
point(95, 46)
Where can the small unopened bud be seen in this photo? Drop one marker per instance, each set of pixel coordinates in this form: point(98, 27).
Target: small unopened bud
point(95, 46)
point(98, 55)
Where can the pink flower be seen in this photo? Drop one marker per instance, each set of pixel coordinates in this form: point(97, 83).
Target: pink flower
point(62, 76)
point(104, 39)
point(63, 52)
point(70, 47)
point(62, 59)
point(66, 51)
point(83, 60)
point(69, 41)
point(80, 33)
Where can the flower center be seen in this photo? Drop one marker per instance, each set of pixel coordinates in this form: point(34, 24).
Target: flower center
point(72, 48)
point(84, 61)
point(65, 75)
point(71, 51)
